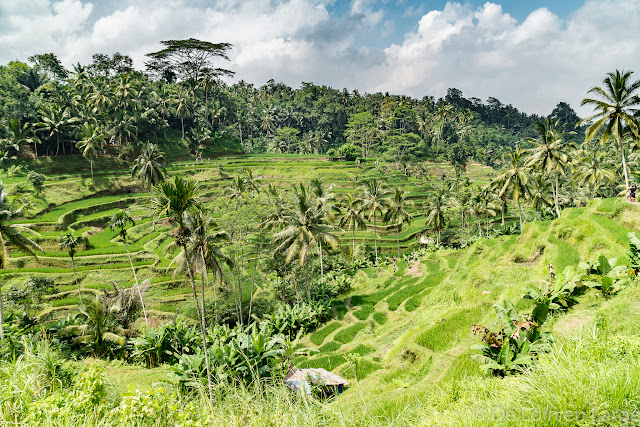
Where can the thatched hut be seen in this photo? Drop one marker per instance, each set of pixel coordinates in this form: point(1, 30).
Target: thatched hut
point(306, 379)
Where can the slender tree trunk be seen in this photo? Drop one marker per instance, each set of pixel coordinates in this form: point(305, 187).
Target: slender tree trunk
point(555, 196)
point(520, 213)
point(398, 239)
point(624, 167)
point(321, 265)
point(479, 227)
point(353, 242)
point(306, 270)
point(135, 276)
point(57, 144)
point(153, 216)
point(375, 237)
point(91, 163)
point(75, 278)
point(182, 122)
point(1, 316)
point(502, 209)
point(203, 332)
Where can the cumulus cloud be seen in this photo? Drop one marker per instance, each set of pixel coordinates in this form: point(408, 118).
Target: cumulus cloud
point(532, 64)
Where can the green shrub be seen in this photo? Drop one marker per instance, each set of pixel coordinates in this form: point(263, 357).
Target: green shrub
point(381, 318)
point(364, 312)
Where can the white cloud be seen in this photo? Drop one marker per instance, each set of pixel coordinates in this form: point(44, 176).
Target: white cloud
point(532, 65)
point(483, 51)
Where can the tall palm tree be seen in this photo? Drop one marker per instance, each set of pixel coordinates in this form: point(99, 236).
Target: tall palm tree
point(17, 135)
point(71, 243)
point(435, 207)
point(55, 122)
point(324, 201)
point(375, 198)
point(177, 199)
point(121, 220)
point(182, 107)
point(515, 178)
point(539, 190)
point(304, 227)
point(398, 212)
point(615, 111)
point(149, 168)
point(91, 139)
point(12, 235)
point(351, 218)
point(550, 154)
point(593, 168)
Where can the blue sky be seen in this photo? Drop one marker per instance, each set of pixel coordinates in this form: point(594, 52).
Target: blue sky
point(528, 53)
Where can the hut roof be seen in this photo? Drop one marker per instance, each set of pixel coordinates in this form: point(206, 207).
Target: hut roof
point(298, 379)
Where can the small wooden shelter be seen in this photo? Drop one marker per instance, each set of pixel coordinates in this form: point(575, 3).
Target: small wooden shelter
point(305, 379)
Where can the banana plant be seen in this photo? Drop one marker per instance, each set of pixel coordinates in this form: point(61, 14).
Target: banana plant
point(634, 253)
point(514, 346)
point(611, 282)
point(553, 296)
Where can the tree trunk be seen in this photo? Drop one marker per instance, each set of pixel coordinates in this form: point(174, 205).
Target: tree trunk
point(1, 317)
point(502, 209)
point(91, 163)
point(398, 239)
point(144, 310)
point(182, 122)
point(75, 278)
point(153, 216)
point(555, 196)
point(203, 332)
point(624, 167)
point(479, 227)
point(375, 237)
point(321, 265)
point(353, 241)
point(520, 213)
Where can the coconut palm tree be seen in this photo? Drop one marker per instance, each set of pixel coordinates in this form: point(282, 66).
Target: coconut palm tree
point(615, 112)
point(539, 189)
point(71, 243)
point(593, 169)
point(91, 139)
point(12, 235)
point(55, 122)
point(351, 218)
point(398, 212)
point(182, 107)
point(550, 154)
point(375, 198)
point(177, 199)
point(435, 207)
point(149, 169)
point(304, 227)
point(324, 201)
point(17, 135)
point(515, 179)
point(121, 220)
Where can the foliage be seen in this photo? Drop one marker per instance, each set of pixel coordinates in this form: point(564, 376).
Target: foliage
point(515, 345)
point(634, 253)
point(37, 180)
point(555, 295)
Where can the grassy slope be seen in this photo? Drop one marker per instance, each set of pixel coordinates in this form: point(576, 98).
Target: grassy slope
point(424, 344)
point(72, 200)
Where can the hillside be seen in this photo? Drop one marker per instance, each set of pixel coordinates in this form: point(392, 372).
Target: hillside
point(414, 327)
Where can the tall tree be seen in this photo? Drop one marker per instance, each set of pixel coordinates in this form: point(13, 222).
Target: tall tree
point(435, 208)
point(71, 243)
point(550, 154)
point(176, 199)
point(351, 218)
point(615, 111)
point(593, 169)
point(375, 198)
point(149, 169)
point(398, 212)
point(11, 234)
point(121, 220)
point(91, 139)
point(515, 178)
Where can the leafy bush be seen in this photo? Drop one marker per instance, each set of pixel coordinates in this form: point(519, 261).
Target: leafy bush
point(515, 345)
point(165, 344)
point(290, 319)
point(556, 295)
point(634, 253)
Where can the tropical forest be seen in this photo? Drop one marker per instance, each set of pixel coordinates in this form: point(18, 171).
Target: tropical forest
point(178, 245)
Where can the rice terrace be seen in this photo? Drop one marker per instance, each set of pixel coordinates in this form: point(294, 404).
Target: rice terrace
point(191, 239)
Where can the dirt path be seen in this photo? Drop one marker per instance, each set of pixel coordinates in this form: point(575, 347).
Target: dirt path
point(414, 270)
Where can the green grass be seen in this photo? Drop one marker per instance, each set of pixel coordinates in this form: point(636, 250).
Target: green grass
point(318, 337)
point(330, 347)
point(444, 334)
point(380, 318)
point(364, 312)
point(346, 335)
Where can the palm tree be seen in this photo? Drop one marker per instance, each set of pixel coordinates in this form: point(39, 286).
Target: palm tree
point(550, 154)
point(375, 198)
point(304, 227)
point(616, 111)
point(182, 107)
point(70, 243)
point(17, 135)
point(515, 178)
point(121, 220)
point(54, 122)
point(435, 207)
point(91, 140)
point(398, 212)
point(539, 192)
point(593, 168)
point(177, 199)
point(11, 235)
point(352, 218)
point(324, 202)
point(148, 168)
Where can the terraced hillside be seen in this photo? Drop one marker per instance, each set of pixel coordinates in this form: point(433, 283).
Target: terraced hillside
point(74, 202)
point(406, 334)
